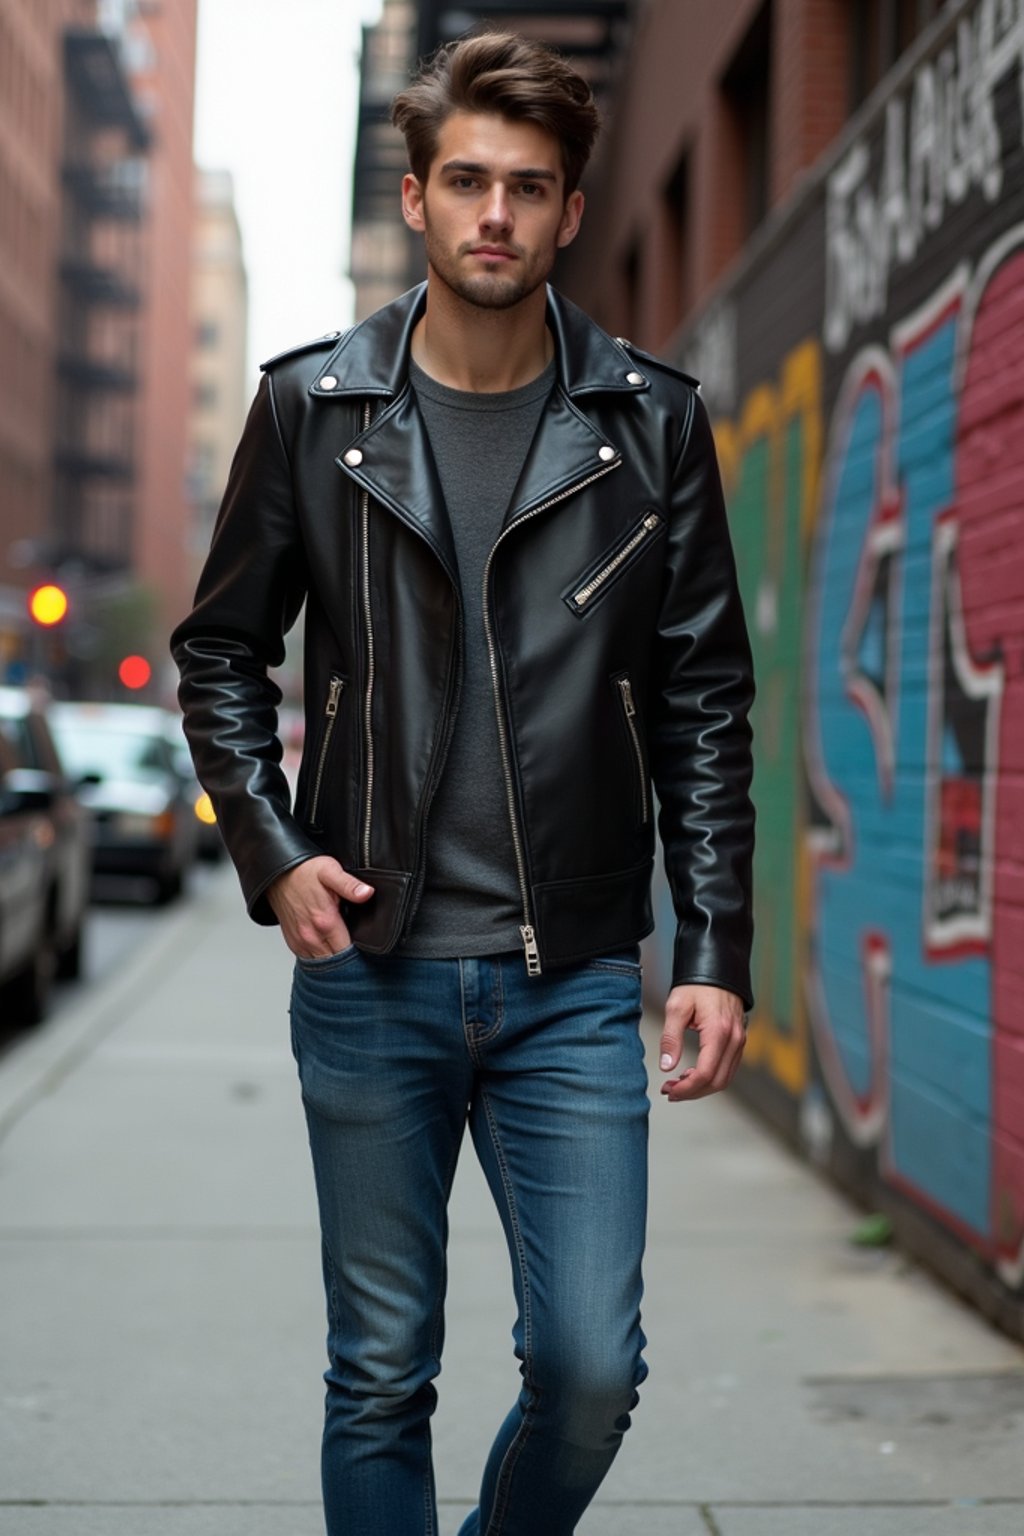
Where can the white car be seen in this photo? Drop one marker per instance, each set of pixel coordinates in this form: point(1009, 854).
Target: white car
point(145, 819)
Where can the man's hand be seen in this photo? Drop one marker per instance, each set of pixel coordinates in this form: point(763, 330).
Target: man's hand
point(305, 902)
point(717, 1016)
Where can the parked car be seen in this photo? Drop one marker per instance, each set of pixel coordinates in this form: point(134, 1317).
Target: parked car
point(145, 823)
point(45, 857)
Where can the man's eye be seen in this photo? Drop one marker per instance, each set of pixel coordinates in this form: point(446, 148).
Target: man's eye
point(531, 188)
point(464, 181)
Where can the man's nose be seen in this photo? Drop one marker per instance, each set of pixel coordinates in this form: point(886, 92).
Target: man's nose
point(497, 213)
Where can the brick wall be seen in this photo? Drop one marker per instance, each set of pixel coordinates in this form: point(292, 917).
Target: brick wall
point(31, 101)
point(865, 373)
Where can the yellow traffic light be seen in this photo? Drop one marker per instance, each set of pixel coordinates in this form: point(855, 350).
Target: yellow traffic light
point(48, 604)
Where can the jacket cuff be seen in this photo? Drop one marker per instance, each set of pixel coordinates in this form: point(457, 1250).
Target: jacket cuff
point(256, 883)
point(704, 962)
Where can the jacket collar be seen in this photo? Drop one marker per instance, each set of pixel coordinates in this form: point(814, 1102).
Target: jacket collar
point(373, 357)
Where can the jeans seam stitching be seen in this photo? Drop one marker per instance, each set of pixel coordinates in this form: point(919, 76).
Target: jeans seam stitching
point(521, 1436)
point(466, 1032)
point(485, 1036)
point(435, 1356)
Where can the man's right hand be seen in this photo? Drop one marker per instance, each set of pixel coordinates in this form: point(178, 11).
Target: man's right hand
point(305, 902)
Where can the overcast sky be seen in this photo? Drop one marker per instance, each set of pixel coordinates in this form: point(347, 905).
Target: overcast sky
point(276, 101)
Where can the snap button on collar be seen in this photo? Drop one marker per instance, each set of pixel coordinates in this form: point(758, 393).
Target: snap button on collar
point(634, 378)
point(606, 453)
point(328, 381)
point(354, 457)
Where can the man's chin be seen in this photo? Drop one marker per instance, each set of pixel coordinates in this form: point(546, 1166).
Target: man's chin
point(494, 290)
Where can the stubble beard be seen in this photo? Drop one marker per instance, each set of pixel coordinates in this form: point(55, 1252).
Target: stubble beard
point(487, 290)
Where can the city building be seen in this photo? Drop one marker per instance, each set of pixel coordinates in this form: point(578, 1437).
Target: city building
point(31, 139)
point(100, 300)
point(219, 380)
point(96, 193)
point(161, 52)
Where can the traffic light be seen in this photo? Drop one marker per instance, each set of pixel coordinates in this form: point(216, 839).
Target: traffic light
point(48, 604)
point(135, 671)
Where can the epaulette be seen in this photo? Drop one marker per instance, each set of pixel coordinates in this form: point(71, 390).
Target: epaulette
point(656, 362)
point(329, 340)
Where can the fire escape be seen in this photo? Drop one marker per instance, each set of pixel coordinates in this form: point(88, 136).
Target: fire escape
point(100, 303)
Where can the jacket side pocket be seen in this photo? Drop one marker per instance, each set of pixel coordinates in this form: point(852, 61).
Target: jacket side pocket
point(335, 689)
point(623, 686)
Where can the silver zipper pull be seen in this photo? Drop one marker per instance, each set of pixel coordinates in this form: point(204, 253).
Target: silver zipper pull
point(333, 697)
point(627, 696)
point(532, 952)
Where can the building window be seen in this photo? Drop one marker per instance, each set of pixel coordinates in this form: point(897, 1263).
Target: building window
point(746, 90)
point(207, 335)
point(675, 202)
point(881, 31)
point(631, 291)
point(204, 395)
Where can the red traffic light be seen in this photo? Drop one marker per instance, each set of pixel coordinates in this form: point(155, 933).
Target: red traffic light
point(48, 604)
point(135, 671)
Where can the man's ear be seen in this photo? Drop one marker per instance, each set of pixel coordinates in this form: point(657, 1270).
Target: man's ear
point(571, 216)
point(412, 202)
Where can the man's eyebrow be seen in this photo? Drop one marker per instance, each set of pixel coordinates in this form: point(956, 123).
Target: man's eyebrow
point(474, 168)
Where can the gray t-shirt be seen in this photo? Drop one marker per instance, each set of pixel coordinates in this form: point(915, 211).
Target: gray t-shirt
point(471, 901)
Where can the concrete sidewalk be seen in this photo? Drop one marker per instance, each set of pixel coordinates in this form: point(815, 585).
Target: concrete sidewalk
point(161, 1320)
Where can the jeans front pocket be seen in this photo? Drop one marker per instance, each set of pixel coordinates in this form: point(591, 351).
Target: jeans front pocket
point(321, 963)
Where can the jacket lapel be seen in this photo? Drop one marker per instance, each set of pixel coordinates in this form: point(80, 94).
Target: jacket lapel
point(566, 450)
point(392, 458)
point(396, 465)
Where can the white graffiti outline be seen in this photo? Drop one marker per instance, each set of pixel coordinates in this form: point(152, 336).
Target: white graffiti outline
point(978, 682)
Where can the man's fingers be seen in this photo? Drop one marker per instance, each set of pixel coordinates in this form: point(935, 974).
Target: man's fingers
point(677, 1021)
point(716, 1065)
point(347, 886)
point(305, 901)
point(321, 933)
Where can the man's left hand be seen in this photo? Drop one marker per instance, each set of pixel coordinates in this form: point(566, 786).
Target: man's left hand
point(717, 1016)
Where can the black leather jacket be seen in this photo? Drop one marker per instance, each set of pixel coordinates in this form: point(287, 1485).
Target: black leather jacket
point(615, 635)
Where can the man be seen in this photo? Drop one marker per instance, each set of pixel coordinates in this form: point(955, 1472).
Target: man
point(521, 606)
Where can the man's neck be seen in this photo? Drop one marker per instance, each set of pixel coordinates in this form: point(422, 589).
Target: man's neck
point(482, 351)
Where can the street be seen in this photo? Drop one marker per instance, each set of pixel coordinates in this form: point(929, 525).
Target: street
point(161, 1324)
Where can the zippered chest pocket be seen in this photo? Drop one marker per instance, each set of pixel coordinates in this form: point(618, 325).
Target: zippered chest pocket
point(595, 582)
point(329, 721)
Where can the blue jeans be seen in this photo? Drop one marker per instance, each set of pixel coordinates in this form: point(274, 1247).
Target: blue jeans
point(395, 1055)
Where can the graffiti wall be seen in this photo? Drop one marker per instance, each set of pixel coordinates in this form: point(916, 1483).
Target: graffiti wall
point(866, 379)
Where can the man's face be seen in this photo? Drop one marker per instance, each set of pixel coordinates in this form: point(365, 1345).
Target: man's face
point(493, 211)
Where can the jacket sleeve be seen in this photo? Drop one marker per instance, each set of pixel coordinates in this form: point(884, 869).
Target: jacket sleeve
point(700, 740)
point(249, 595)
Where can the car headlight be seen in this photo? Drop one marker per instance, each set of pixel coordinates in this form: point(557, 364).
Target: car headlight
point(205, 811)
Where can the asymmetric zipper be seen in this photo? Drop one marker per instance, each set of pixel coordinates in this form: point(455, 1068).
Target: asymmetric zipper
point(330, 715)
point(629, 710)
point(364, 511)
point(650, 522)
point(530, 947)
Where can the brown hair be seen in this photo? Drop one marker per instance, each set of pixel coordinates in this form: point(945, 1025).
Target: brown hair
point(501, 73)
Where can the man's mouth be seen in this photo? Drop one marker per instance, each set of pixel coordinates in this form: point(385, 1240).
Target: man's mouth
point(492, 253)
